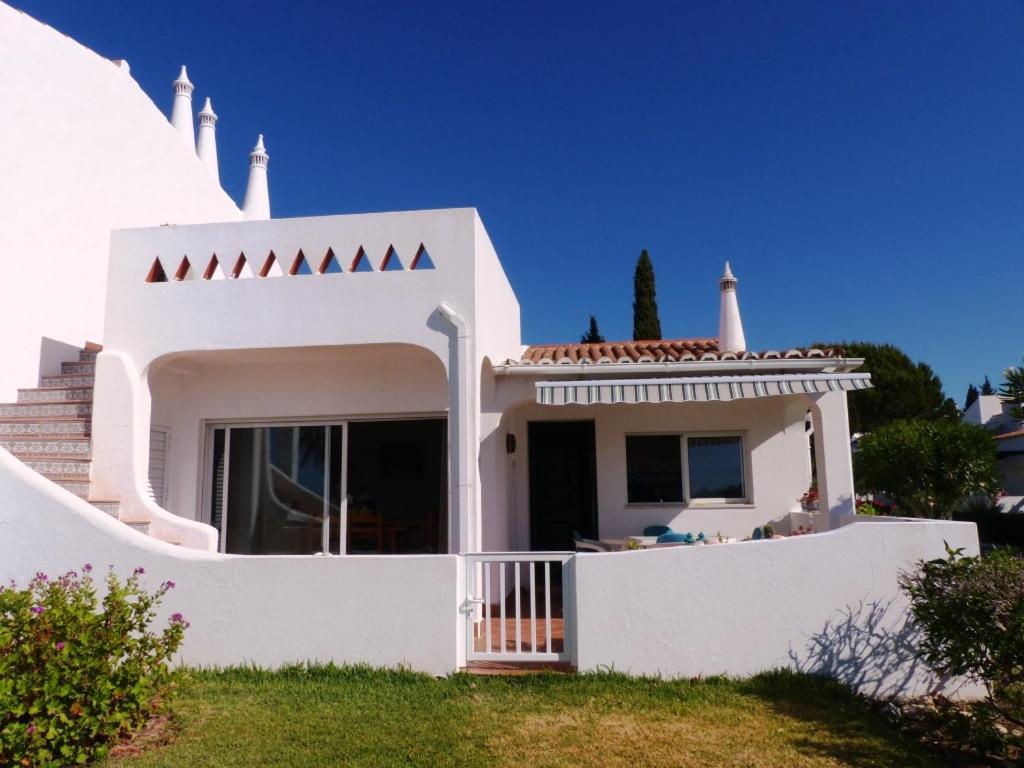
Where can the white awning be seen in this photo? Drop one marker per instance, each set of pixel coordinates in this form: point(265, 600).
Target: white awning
point(696, 388)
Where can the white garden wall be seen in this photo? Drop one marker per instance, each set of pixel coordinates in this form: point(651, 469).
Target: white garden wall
point(825, 604)
point(267, 611)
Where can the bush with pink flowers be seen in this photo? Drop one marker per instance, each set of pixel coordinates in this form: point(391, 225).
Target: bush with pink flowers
point(78, 671)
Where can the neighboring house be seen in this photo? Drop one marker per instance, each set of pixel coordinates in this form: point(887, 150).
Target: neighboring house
point(996, 415)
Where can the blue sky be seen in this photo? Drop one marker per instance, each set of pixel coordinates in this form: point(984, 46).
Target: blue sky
point(861, 164)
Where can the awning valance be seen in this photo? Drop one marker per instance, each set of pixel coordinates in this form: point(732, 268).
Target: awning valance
point(695, 388)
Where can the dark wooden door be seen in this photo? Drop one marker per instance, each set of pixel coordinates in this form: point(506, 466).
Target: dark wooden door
point(563, 491)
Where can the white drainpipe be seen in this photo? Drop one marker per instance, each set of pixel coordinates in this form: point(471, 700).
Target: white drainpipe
point(461, 433)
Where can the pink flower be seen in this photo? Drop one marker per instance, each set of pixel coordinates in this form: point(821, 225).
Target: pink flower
point(87, 568)
point(168, 584)
point(177, 618)
point(37, 609)
point(60, 646)
point(139, 571)
point(31, 728)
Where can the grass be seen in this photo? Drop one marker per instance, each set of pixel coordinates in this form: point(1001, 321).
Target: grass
point(329, 716)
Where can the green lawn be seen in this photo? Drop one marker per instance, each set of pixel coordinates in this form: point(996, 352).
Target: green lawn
point(361, 717)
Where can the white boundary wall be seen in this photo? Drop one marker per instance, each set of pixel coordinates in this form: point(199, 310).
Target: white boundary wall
point(826, 604)
point(267, 611)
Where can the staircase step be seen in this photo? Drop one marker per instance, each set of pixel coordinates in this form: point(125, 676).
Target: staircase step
point(45, 428)
point(78, 487)
point(42, 410)
point(60, 469)
point(142, 527)
point(55, 394)
point(73, 380)
point(73, 447)
point(79, 368)
point(112, 508)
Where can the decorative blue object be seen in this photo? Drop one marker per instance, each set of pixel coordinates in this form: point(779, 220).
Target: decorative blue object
point(758, 534)
point(674, 537)
point(656, 530)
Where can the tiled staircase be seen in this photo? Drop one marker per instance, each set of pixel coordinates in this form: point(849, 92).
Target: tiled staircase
point(49, 429)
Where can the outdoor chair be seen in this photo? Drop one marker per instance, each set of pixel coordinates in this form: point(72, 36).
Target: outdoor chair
point(589, 545)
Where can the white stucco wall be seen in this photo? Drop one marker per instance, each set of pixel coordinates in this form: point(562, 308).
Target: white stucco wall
point(267, 611)
point(825, 604)
point(84, 151)
point(386, 380)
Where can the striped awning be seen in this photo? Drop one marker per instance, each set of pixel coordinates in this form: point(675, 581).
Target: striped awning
point(696, 388)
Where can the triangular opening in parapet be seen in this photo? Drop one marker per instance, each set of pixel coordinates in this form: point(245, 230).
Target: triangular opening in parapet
point(241, 268)
point(391, 261)
point(156, 272)
point(330, 265)
point(271, 267)
point(422, 259)
point(213, 269)
point(360, 263)
point(184, 270)
point(300, 266)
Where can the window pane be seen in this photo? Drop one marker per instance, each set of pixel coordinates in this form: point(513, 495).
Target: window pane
point(715, 465)
point(654, 471)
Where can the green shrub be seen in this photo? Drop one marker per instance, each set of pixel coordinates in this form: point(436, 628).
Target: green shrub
point(970, 611)
point(76, 671)
point(1002, 529)
point(928, 468)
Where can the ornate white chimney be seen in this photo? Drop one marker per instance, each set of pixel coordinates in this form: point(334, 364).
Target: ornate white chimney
point(206, 146)
point(181, 112)
point(730, 326)
point(257, 195)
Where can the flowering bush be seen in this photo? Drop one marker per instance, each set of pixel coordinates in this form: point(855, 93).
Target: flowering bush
point(76, 672)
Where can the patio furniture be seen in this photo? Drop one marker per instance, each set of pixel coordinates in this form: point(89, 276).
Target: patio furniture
point(589, 545)
point(656, 530)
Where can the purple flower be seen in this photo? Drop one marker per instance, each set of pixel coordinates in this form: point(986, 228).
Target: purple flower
point(60, 646)
point(31, 728)
point(138, 571)
point(42, 576)
point(177, 618)
point(168, 584)
point(37, 609)
point(87, 568)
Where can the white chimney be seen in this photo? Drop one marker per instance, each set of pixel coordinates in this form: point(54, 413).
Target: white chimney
point(206, 146)
point(181, 112)
point(257, 195)
point(730, 326)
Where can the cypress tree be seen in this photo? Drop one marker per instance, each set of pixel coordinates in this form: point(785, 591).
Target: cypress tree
point(593, 335)
point(646, 324)
point(972, 396)
point(987, 388)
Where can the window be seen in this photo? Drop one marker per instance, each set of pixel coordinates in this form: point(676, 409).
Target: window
point(714, 468)
point(654, 469)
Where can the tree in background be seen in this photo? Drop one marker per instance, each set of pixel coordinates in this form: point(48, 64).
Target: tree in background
point(987, 388)
point(972, 396)
point(1013, 390)
point(646, 324)
point(928, 468)
point(902, 389)
point(593, 335)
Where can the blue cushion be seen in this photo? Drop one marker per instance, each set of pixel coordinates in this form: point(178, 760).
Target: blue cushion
point(656, 530)
point(673, 537)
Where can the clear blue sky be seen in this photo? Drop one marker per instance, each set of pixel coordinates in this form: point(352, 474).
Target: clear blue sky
point(860, 163)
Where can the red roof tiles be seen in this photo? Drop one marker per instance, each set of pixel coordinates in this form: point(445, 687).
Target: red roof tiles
point(667, 350)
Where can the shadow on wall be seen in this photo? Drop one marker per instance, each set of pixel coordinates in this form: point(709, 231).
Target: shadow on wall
point(872, 647)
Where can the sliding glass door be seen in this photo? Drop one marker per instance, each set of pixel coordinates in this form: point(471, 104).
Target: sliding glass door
point(362, 487)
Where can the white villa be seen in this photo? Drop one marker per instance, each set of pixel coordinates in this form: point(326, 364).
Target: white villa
point(331, 434)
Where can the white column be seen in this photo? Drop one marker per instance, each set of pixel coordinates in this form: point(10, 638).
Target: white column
point(730, 326)
point(833, 456)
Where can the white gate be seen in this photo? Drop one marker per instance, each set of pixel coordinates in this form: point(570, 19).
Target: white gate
point(518, 606)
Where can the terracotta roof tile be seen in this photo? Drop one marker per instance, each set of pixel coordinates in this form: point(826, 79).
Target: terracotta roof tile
point(1008, 435)
point(666, 350)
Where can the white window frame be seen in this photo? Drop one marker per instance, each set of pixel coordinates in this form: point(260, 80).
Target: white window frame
point(688, 500)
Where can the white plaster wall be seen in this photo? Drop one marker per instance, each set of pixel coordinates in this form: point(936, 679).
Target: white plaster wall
point(84, 151)
point(825, 604)
point(362, 381)
point(267, 611)
point(774, 437)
